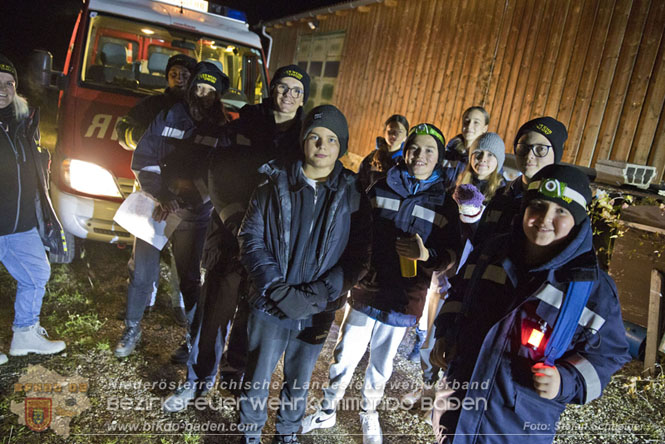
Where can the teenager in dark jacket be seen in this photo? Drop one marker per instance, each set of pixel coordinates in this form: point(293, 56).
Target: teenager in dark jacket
point(387, 153)
point(539, 142)
point(305, 241)
point(263, 132)
point(414, 218)
point(167, 163)
point(531, 324)
point(26, 216)
point(131, 127)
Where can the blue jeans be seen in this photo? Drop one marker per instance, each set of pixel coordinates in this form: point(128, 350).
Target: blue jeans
point(24, 257)
point(187, 241)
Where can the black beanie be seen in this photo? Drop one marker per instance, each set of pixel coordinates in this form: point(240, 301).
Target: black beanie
point(427, 129)
point(7, 66)
point(327, 116)
point(564, 185)
point(295, 72)
point(209, 73)
point(182, 60)
point(551, 129)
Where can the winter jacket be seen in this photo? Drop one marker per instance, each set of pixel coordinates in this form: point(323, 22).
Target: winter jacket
point(132, 126)
point(171, 158)
point(500, 212)
point(342, 250)
point(25, 202)
point(253, 140)
point(494, 304)
point(375, 166)
point(399, 211)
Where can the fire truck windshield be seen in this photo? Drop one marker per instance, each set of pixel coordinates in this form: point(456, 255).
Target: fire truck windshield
point(130, 57)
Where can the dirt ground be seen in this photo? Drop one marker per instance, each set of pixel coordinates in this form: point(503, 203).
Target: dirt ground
point(82, 306)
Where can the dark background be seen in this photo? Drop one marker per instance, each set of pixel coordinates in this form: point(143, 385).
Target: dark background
point(47, 24)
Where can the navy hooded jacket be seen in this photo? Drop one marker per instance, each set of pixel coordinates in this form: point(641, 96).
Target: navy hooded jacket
point(495, 303)
point(399, 210)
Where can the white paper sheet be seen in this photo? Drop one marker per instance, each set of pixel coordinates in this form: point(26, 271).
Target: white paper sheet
point(135, 216)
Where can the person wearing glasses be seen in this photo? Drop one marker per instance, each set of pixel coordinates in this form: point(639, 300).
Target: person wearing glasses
point(415, 223)
point(538, 143)
point(263, 132)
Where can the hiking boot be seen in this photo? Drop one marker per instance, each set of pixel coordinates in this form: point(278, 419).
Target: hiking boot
point(425, 390)
point(321, 419)
point(181, 354)
point(3, 358)
point(178, 401)
point(421, 335)
point(33, 340)
point(289, 439)
point(371, 428)
point(129, 340)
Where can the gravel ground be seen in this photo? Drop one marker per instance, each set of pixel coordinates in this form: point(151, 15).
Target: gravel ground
point(82, 306)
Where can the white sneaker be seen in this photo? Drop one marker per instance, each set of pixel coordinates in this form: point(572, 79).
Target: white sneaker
point(3, 358)
point(33, 340)
point(371, 428)
point(423, 391)
point(319, 420)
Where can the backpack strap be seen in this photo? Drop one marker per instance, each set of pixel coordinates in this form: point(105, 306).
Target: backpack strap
point(570, 312)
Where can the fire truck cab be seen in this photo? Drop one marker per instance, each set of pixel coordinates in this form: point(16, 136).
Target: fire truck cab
point(117, 55)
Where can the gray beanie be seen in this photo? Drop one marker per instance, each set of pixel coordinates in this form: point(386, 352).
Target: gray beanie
point(492, 143)
point(327, 116)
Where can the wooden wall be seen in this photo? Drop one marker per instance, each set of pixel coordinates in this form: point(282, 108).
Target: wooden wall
point(596, 65)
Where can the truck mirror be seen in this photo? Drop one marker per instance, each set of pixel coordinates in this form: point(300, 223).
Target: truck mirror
point(41, 74)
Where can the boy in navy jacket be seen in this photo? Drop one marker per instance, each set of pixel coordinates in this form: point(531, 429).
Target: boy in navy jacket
point(531, 324)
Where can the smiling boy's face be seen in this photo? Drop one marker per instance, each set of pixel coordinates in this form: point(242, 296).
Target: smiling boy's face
point(421, 156)
point(546, 223)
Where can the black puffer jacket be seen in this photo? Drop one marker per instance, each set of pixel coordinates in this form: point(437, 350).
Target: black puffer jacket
point(342, 249)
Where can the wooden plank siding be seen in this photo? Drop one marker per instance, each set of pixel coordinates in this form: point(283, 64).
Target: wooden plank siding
point(596, 65)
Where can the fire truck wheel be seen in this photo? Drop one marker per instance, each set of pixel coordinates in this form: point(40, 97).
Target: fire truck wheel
point(68, 256)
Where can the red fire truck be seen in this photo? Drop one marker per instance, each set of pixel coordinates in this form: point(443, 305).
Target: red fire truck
point(117, 55)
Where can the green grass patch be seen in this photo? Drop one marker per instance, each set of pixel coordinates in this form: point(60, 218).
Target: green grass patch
point(80, 327)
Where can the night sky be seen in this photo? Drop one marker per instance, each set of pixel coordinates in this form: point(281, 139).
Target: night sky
point(47, 24)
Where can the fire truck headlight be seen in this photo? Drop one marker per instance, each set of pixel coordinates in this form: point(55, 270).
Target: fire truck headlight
point(89, 178)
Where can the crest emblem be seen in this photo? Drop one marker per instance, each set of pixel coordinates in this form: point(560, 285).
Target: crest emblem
point(38, 413)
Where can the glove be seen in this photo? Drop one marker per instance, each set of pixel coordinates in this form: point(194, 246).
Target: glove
point(470, 202)
point(300, 301)
point(442, 354)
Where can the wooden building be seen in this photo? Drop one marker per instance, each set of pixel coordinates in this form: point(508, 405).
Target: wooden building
point(596, 65)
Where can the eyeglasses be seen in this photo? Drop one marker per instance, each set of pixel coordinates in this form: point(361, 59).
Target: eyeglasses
point(284, 89)
point(522, 149)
